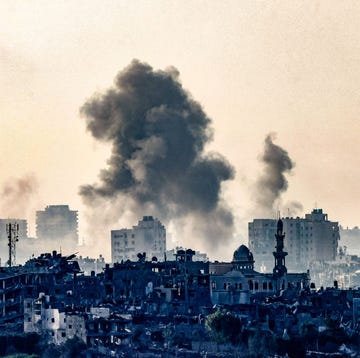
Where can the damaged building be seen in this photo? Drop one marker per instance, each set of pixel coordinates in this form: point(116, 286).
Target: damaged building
point(178, 286)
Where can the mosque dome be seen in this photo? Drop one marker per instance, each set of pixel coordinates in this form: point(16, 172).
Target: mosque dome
point(242, 254)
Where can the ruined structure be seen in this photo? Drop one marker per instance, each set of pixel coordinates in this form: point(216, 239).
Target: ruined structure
point(177, 286)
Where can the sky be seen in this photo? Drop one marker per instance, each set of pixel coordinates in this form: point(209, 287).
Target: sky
point(290, 68)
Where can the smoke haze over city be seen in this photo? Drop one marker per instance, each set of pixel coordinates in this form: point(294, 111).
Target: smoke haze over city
point(179, 134)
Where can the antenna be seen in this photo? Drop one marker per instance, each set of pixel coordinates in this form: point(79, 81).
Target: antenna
point(12, 230)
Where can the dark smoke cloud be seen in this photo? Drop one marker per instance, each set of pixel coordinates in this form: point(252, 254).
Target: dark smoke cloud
point(158, 133)
point(16, 195)
point(272, 183)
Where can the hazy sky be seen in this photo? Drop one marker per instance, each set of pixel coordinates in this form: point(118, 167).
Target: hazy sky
point(256, 67)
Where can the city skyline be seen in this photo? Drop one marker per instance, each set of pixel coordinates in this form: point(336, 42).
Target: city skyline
point(255, 68)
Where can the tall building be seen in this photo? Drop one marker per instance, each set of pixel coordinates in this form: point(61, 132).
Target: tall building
point(148, 237)
point(261, 242)
point(57, 222)
point(309, 239)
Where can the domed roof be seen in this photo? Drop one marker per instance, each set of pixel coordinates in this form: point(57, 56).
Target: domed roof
point(243, 254)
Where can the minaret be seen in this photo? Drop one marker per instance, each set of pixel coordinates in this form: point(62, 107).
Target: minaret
point(279, 255)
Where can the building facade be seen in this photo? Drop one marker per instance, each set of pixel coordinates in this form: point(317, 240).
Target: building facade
point(309, 239)
point(148, 237)
point(57, 223)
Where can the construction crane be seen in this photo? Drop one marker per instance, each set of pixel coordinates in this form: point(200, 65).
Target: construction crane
point(12, 230)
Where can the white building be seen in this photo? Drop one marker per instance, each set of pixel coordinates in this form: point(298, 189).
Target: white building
point(52, 323)
point(148, 237)
point(313, 238)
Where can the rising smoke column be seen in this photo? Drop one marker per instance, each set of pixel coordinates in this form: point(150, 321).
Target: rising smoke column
point(272, 183)
point(158, 164)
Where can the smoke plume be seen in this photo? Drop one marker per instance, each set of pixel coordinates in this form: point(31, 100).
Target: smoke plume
point(292, 209)
point(272, 183)
point(16, 195)
point(158, 165)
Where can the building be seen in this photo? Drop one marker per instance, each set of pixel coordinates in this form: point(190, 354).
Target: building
point(148, 237)
point(57, 223)
point(88, 264)
point(238, 283)
point(179, 286)
point(261, 242)
point(309, 239)
point(198, 256)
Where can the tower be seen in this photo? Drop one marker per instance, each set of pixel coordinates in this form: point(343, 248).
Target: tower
point(12, 232)
point(279, 255)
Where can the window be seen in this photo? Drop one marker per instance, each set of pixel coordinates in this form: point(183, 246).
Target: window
point(63, 334)
point(52, 320)
point(70, 326)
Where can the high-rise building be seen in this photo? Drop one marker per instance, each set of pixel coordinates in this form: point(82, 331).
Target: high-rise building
point(261, 242)
point(309, 239)
point(57, 222)
point(148, 237)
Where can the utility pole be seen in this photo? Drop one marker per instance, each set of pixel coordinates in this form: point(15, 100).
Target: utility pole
point(12, 230)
